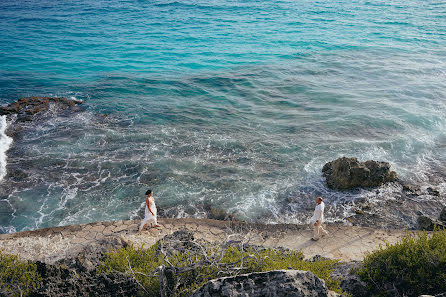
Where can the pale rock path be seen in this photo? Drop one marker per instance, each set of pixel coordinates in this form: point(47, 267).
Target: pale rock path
point(49, 245)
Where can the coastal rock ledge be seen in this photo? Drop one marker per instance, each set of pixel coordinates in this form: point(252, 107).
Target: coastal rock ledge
point(347, 173)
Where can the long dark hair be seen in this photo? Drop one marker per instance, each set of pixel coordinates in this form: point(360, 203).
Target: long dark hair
point(148, 192)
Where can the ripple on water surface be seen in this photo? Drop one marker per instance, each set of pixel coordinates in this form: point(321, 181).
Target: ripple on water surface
point(236, 105)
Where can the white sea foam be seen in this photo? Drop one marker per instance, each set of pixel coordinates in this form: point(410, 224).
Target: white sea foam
point(5, 143)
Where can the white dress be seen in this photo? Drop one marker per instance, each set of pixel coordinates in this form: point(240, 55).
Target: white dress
point(318, 213)
point(148, 217)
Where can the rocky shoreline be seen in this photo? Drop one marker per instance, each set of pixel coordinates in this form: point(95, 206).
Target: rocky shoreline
point(386, 202)
point(74, 252)
point(73, 249)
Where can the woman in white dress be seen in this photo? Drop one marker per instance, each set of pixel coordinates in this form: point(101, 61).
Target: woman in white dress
point(150, 212)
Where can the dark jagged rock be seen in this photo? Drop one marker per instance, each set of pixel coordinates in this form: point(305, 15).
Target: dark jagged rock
point(433, 192)
point(272, 283)
point(442, 216)
point(61, 281)
point(411, 190)
point(92, 255)
point(316, 258)
point(425, 223)
point(350, 281)
point(347, 173)
point(178, 241)
point(25, 108)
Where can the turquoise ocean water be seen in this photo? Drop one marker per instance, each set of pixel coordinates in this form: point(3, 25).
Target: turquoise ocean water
point(230, 104)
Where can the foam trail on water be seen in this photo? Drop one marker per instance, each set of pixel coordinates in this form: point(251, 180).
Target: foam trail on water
point(5, 143)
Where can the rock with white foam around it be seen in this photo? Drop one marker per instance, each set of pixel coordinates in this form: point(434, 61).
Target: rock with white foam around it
point(347, 173)
point(25, 108)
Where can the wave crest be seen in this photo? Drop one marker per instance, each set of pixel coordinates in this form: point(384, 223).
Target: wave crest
point(5, 143)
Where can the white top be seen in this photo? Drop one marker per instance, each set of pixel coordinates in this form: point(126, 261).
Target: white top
point(318, 213)
point(147, 213)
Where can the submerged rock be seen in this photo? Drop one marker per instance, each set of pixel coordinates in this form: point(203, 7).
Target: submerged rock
point(442, 216)
point(347, 173)
point(26, 107)
point(426, 223)
point(271, 283)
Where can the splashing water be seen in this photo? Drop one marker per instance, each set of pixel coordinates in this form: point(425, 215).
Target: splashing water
point(5, 143)
point(233, 104)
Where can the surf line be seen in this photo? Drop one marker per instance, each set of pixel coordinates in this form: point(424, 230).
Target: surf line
point(5, 143)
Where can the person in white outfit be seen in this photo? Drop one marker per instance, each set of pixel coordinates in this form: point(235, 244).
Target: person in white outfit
point(318, 219)
point(150, 212)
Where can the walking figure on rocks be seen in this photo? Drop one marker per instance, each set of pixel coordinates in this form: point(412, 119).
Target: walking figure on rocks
point(318, 219)
point(150, 212)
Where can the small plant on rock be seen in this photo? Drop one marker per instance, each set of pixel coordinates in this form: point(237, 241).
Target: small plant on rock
point(176, 267)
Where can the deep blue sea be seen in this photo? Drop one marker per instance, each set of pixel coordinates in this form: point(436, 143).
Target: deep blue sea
point(231, 104)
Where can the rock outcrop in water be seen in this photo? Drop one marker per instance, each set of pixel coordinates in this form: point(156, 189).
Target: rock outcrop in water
point(277, 283)
point(426, 223)
point(442, 216)
point(26, 107)
point(347, 173)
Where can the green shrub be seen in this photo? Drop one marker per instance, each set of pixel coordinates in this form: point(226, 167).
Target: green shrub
point(144, 262)
point(17, 278)
point(414, 266)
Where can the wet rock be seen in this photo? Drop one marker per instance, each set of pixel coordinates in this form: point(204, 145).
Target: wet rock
point(411, 189)
point(218, 214)
point(25, 108)
point(17, 174)
point(425, 223)
point(347, 173)
point(433, 192)
point(271, 283)
point(442, 216)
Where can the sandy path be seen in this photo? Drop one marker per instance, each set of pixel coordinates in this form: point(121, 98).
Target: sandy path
point(51, 244)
